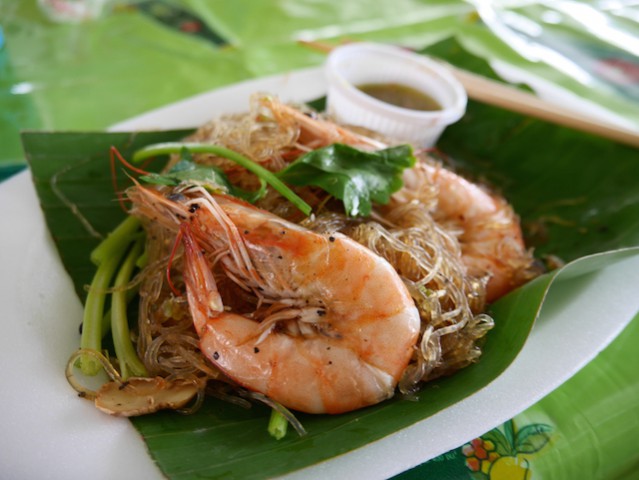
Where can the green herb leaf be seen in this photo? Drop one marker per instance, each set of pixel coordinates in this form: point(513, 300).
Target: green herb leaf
point(209, 176)
point(186, 170)
point(263, 174)
point(356, 177)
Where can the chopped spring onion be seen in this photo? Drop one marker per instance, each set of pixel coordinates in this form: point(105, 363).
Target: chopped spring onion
point(277, 425)
point(280, 416)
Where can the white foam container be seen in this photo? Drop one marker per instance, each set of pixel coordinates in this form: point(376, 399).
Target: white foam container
point(358, 64)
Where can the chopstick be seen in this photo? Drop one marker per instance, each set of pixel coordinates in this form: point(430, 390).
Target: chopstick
point(497, 94)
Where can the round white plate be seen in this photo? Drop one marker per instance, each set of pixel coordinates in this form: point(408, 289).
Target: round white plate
point(47, 432)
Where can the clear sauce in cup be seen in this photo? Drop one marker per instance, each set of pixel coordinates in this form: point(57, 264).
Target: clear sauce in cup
point(401, 96)
point(401, 79)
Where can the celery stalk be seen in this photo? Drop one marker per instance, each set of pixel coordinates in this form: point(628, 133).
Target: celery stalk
point(130, 364)
point(107, 256)
point(116, 241)
point(94, 311)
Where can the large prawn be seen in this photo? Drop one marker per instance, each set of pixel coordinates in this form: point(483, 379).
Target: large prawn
point(489, 230)
point(335, 326)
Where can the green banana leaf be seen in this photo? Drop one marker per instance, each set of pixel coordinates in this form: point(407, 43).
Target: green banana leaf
point(576, 195)
point(72, 176)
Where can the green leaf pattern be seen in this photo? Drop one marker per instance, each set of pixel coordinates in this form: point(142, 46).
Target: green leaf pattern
point(532, 438)
point(502, 447)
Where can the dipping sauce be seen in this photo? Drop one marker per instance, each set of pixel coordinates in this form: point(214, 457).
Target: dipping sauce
point(401, 96)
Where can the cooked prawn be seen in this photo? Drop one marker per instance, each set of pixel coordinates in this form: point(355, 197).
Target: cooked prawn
point(490, 235)
point(335, 326)
point(489, 230)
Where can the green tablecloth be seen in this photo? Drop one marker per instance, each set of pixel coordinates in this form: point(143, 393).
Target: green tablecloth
point(141, 55)
point(144, 54)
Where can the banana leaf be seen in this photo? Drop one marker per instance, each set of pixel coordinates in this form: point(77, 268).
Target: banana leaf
point(576, 195)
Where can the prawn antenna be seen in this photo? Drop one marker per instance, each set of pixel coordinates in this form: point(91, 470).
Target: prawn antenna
point(114, 154)
point(178, 239)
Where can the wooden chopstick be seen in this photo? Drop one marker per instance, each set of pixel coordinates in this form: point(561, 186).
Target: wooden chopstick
point(497, 94)
point(491, 92)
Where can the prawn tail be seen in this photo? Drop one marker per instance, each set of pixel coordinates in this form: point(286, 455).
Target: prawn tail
point(201, 289)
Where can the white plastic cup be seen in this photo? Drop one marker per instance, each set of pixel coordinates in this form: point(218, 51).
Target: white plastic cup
point(357, 64)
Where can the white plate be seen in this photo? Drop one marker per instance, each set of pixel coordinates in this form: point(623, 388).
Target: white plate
point(47, 432)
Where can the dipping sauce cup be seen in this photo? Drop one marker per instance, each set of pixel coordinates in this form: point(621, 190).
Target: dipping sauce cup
point(401, 76)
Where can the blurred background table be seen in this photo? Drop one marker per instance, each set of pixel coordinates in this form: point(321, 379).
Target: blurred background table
point(139, 55)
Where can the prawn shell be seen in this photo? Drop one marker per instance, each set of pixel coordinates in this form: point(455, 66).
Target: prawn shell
point(366, 325)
